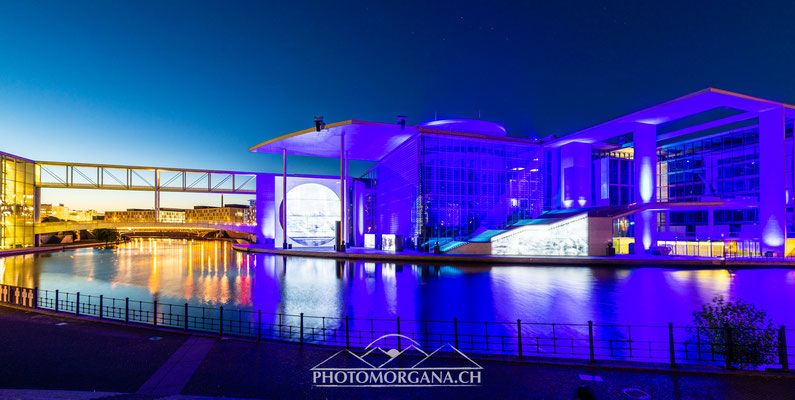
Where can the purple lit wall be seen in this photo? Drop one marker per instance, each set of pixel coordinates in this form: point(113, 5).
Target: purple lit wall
point(645, 157)
point(772, 217)
point(397, 191)
point(265, 213)
point(575, 165)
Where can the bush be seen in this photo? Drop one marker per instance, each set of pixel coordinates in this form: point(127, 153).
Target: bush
point(106, 235)
point(753, 337)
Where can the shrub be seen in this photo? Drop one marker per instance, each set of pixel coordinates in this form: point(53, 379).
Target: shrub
point(106, 235)
point(753, 337)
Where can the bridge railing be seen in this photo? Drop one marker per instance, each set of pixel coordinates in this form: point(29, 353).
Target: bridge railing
point(663, 343)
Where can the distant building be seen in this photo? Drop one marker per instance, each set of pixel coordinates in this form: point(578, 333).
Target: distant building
point(250, 215)
point(171, 215)
point(64, 213)
point(235, 213)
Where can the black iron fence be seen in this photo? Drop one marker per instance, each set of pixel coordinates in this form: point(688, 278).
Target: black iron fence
point(589, 341)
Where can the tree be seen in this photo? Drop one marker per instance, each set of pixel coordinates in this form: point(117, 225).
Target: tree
point(106, 235)
point(753, 337)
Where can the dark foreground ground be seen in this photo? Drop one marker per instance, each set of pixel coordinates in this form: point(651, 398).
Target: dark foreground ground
point(45, 352)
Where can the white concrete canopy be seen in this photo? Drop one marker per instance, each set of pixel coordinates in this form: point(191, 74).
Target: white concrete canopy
point(691, 104)
point(364, 140)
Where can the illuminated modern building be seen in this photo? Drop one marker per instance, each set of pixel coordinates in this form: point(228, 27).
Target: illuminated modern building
point(229, 213)
point(441, 182)
point(707, 174)
point(18, 198)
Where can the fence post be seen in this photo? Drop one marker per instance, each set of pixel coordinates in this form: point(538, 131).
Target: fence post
point(671, 344)
point(100, 306)
point(590, 341)
point(783, 358)
point(56, 300)
point(728, 352)
point(302, 328)
point(36, 297)
point(519, 336)
point(347, 334)
point(221, 325)
point(126, 310)
point(398, 332)
point(186, 317)
point(259, 325)
point(77, 305)
point(455, 331)
point(154, 315)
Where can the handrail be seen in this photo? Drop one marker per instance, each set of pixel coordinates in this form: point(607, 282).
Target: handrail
point(671, 344)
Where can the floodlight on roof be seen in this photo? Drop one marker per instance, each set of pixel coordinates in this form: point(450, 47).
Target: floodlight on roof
point(402, 122)
point(319, 124)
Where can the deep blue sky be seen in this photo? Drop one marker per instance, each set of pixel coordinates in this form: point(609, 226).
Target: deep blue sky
point(194, 84)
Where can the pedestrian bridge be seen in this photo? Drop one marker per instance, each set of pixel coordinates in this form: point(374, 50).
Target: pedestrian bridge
point(67, 226)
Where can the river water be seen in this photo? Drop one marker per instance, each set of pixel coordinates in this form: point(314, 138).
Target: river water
point(211, 274)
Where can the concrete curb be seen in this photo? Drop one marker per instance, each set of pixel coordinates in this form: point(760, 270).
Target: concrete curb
point(572, 261)
point(48, 249)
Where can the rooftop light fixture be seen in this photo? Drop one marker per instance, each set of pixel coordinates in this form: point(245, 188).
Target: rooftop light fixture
point(402, 122)
point(319, 124)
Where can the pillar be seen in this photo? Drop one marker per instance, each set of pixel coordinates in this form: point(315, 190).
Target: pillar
point(358, 212)
point(36, 212)
point(343, 197)
point(645, 160)
point(575, 174)
point(284, 198)
point(772, 201)
point(157, 195)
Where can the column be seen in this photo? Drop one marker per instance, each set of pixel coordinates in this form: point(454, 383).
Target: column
point(284, 198)
point(36, 212)
point(772, 201)
point(343, 208)
point(575, 174)
point(157, 195)
point(645, 160)
point(358, 212)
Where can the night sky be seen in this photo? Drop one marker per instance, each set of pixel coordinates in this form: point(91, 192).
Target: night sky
point(195, 84)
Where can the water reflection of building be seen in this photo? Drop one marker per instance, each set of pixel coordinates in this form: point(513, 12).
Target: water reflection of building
point(18, 199)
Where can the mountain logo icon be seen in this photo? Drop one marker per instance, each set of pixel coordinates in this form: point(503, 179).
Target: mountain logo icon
point(410, 366)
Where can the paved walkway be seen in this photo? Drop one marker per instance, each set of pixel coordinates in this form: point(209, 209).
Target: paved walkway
point(46, 356)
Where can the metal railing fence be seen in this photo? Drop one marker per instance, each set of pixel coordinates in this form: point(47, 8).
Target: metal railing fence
point(588, 341)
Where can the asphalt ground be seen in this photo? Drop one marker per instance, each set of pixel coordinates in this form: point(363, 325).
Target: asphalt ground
point(46, 352)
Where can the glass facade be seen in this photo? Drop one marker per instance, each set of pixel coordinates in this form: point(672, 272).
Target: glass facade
point(446, 187)
point(721, 167)
point(617, 182)
point(17, 201)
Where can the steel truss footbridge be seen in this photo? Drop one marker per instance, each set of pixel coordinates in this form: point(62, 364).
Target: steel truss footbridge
point(69, 175)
